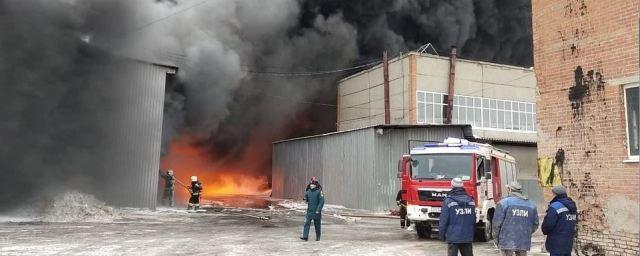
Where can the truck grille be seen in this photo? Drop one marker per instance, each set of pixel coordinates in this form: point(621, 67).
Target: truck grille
point(430, 195)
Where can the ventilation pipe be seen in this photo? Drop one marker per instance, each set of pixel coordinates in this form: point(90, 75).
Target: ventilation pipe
point(385, 71)
point(452, 78)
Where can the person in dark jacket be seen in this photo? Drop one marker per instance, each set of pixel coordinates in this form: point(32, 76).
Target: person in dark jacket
point(311, 181)
point(560, 223)
point(169, 187)
point(515, 220)
point(457, 220)
point(315, 202)
point(195, 190)
point(402, 204)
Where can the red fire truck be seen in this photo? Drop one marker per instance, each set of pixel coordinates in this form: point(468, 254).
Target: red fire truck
point(426, 177)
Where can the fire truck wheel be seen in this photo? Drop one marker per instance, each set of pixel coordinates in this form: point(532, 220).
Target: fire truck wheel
point(484, 232)
point(423, 230)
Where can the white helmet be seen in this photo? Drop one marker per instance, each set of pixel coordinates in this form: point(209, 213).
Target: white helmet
point(194, 178)
point(170, 172)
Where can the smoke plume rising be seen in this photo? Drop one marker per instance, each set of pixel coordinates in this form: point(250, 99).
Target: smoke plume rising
point(61, 59)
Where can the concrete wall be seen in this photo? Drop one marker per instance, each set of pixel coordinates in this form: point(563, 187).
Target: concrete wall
point(475, 78)
point(527, 165)
point(361, 97)
point(585, 52)
point(479, 79)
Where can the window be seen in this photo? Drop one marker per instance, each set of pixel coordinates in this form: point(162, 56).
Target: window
point(442, 166)
point(503, 167)
point(632, 108)
point(422, 104)
point(482, 113)
point(431, 107)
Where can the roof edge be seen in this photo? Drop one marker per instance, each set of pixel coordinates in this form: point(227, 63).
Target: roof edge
point(466, 130)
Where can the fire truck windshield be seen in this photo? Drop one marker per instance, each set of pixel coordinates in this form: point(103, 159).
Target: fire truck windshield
point(441, 166)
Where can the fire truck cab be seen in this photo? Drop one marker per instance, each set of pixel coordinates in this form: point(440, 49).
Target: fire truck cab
point(427, 173)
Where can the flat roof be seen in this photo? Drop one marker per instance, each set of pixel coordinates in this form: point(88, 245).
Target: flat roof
point(466, 130)
point(404, 55)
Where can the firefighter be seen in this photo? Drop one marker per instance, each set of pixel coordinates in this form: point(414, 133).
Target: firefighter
point(402, 204)
point(195, 189)
point(315, 202)
point(560, 223)
point(515, 220)
point(458, 220)
point(169, 187)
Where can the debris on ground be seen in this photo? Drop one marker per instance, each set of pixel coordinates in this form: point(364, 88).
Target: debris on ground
point(75, 206)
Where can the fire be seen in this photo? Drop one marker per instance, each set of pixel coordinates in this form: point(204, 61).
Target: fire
point(187, 160)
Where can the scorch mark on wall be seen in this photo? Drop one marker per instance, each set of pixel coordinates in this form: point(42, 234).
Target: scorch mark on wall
point(580, 91)
point(575, 8)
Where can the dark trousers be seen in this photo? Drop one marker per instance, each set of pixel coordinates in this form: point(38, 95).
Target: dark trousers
point(464, 249)
point(559, 254)
point(403, 217)
point(316, 224)
point(194, 202)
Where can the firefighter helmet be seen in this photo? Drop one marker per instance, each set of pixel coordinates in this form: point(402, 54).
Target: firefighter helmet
point(194, 178)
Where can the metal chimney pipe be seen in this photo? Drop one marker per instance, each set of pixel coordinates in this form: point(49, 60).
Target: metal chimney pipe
point(452, 79)
point(385, 71)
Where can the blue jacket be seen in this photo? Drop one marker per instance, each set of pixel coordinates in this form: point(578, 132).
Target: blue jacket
point(515, 220)
point(560, 224)
point(315, 200)
point(457, 218)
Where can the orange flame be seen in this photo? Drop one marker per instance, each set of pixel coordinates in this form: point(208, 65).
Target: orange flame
point(187, 160)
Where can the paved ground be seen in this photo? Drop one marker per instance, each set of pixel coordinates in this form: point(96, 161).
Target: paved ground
point(218, 232)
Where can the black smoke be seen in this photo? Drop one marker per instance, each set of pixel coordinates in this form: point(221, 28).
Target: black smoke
point(488, 30)
point(60, 95)
point(60, 89)
point(495, 31)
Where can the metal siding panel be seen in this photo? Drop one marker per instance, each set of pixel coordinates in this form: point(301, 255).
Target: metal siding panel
point(357, 169)
point(139, 136)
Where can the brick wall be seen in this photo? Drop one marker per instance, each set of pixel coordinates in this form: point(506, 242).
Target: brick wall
point(580, 46)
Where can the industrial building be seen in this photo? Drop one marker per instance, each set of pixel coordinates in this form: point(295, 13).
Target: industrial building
point(357, 168)
point(128, 172)
point(137, 134)
point(586, 64)
point(498, 101)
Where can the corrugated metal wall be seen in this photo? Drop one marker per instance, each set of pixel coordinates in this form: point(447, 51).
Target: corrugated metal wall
point(137, 135)
point(357, 168)
point(392, 145)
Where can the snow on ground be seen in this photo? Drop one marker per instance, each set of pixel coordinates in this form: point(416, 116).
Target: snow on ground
point(219, 230)
point(72, 206)
point(76, 206)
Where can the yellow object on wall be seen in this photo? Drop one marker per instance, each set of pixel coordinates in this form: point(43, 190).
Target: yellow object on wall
point(549, 172)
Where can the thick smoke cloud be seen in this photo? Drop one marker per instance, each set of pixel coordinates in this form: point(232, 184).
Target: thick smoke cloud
point(59, 94)
point(497, 31)
point(59, 72)
point(488, 30)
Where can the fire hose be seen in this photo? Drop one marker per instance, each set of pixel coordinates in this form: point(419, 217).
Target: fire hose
point(180, 182)
point(183, 185)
